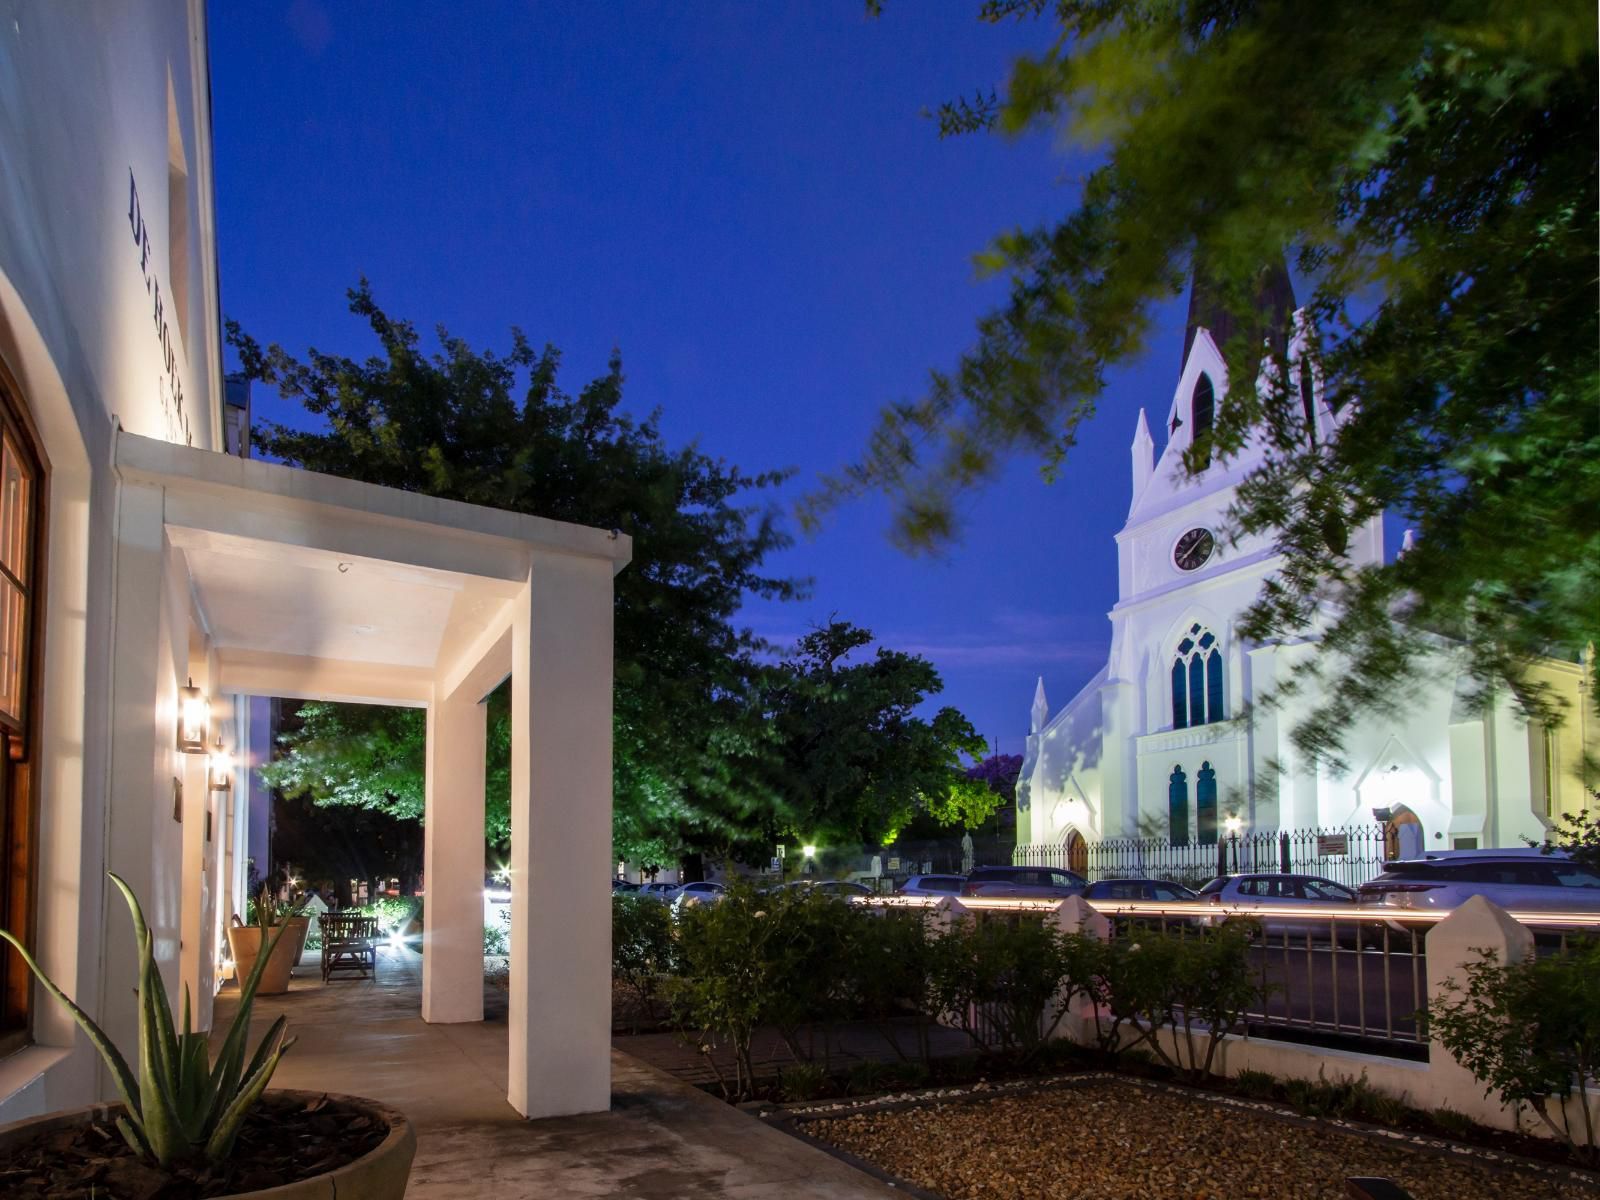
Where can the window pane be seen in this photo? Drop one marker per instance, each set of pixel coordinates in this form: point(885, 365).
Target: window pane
point(1197, 692)
point(1215, 708)
point(13, 646)
point(14, 501)
point(1180, 706)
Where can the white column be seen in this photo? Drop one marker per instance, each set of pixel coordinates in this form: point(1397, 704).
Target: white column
point(560, 1012)
point(452, 859)
point(143, 842)
point(1476, 926)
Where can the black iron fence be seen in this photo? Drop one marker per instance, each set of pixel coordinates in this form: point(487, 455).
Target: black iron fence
point(1350, 855)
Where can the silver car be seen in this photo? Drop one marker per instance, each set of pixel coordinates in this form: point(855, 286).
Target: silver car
point(1517, 880)
point(931, 885)
point(703, 892)
point(1308, 894)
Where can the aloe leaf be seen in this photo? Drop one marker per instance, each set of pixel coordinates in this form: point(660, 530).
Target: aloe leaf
point(133, 1133)
point(227, 1130)
point(127, 1086)
point(158, 1051)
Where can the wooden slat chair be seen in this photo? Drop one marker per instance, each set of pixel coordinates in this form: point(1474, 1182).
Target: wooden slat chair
point(349, 944)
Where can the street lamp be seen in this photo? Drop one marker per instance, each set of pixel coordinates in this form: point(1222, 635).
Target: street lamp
point(1233, 825)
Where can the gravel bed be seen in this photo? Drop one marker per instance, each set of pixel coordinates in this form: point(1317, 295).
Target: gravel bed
point(1112, 1140)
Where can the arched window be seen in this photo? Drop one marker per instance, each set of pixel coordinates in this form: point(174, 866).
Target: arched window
point(1308, 397)
point(1202, 415)
point(1198, 690)
point(1205, 804)
point(1178, 807)
point(22, 481)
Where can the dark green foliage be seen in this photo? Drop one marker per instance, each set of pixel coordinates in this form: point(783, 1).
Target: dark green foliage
point(644, 948)
point(1349, 1099)
point(498, 430)
point(1258, 1085)
point(803, 1081)
point(1005, 980)
point(1530, 1032)
point(1578, 834)
point(1432, 164)
point(850, 759)
point(1454, 1124)
point(1197, 984)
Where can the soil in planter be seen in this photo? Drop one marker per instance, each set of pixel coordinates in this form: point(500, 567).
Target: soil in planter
point(280, 1142)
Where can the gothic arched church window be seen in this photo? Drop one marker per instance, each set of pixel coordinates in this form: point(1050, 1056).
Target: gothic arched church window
point(1198, 692)
point(1202, 414)
point(1205, 804)
point(1308, 397)
point(1178, 807)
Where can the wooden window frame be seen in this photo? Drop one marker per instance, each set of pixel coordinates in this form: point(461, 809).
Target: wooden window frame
point(20, 742)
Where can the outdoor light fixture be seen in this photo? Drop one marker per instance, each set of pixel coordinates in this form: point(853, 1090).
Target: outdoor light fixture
point(221, 767)
point(1234, 824)
point(809, 851)
point(194, 717)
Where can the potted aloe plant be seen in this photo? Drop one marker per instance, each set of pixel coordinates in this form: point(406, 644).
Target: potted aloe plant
point(190, 1126)
point(253, 939)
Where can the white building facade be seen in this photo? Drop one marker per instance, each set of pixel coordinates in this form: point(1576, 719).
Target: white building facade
point(146, 567)
point(1150, 748)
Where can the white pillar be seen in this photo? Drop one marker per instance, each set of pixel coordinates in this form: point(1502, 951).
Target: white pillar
point(452, 859)
point(143, 842)
point(1476, 926)
point(560, 1010)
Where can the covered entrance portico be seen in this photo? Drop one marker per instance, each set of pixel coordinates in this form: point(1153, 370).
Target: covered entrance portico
point(250, 578)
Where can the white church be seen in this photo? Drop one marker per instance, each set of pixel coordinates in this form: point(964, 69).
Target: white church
point(1147, 748)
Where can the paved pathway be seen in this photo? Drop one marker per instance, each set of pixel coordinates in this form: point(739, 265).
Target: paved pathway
point(662, 1137)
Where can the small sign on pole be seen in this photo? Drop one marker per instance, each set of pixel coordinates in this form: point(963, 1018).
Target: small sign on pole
point(1332, 843)
point(777, 865)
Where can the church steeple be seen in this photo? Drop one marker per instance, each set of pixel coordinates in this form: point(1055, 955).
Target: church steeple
point(1273, 306)
point(1143, 452)
point(1041, 708)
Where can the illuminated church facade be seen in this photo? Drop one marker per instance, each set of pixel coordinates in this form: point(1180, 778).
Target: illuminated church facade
point(1148, 747)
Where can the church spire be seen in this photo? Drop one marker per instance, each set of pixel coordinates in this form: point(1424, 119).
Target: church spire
point(1041, 708)
point(1143, 451)
point(1273, 305)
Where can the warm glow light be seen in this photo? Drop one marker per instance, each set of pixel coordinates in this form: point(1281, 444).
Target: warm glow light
point(194, 715)
point(809, 851)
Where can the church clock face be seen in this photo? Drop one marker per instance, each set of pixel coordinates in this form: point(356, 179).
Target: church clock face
point(1194, 550)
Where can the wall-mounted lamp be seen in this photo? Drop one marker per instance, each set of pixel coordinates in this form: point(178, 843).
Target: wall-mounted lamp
point(809, 851)
point(1233, 825)
point(194, 719)
point(220, 765)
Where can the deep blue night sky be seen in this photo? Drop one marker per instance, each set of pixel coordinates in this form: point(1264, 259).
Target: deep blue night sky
point(748, 201)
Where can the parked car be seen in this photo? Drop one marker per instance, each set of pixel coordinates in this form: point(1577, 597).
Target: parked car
point(1045, 883)
point(1519, 880)
point(1285, 890)
point(842, 889)
point(658, 891)
point(1155, 890)
point(701, 892)
point(622, 885)
point(931, 885)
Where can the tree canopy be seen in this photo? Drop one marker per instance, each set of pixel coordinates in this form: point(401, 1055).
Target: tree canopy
point(850, 760)
point(498, 430)
point(1431, 165)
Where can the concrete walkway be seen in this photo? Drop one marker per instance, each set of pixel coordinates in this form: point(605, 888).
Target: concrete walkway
point(662, 1137)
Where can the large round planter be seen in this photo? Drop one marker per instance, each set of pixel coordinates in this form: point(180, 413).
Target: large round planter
point(380, 1174)
point(245, 942)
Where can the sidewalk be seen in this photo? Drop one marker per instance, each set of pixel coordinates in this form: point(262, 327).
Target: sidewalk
point(662, 1138)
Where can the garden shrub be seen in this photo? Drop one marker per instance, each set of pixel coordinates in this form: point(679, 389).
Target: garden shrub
point(394, 913)
point(644, 950)
point(728, 978)
point(1197, 983)
point(497, 936)
point(1005, 982)
point(803, 1081)
point(812, 938)
point(1530, 1032)
point(887, 970)
point(1258, 1085)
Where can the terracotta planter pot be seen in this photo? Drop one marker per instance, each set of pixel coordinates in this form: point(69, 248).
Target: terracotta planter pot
point(245, 942)
point(299, 930)
point(378, 1175)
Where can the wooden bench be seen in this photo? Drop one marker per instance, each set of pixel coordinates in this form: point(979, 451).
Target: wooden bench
point(349, 945)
